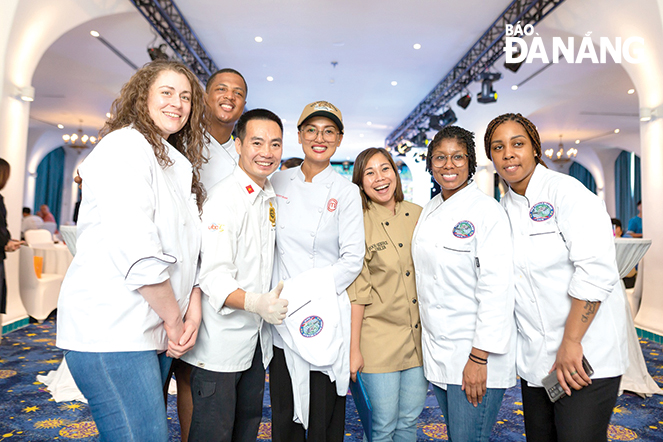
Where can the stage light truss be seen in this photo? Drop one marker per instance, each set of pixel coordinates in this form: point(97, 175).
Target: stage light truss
point(481, 56)
point(167, 20)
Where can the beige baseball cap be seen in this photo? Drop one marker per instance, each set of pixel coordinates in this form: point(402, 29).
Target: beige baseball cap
point(321, 109)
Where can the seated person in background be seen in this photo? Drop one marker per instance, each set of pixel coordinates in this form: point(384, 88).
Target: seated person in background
point(629, 280)
point(45, 214)
point(30, 221)
point(635, 223)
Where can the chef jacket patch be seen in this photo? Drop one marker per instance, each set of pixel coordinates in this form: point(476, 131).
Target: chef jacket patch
point(463, 229)
point(331, 205)
point(541, 211)
point(311, 326)
point(215, 227)
point(249, 189)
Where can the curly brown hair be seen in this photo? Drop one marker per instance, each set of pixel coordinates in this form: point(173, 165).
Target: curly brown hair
point(529, 127)
point(360, 167)
point(130, 108)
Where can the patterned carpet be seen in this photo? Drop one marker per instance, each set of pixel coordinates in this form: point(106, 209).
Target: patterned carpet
point(27, 412)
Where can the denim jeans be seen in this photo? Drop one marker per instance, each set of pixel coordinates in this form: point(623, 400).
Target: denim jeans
point(465, 422)
point(397, 399)
point(124, 391)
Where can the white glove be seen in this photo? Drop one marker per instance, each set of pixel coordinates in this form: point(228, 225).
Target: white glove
point(268, 305)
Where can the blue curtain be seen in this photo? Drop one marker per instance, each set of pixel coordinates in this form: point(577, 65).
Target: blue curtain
point(50, 176)
point(579, 172)
point(627, 186)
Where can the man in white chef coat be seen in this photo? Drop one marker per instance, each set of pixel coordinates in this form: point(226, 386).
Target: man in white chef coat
point(234, 343)
point(225, 97)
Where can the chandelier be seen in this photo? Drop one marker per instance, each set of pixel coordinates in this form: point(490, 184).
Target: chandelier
point(79, 140)
point(560, 156)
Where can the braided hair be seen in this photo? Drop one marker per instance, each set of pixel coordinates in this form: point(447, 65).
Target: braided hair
point(529, 127)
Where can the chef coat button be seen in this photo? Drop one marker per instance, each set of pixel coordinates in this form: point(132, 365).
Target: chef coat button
point(416, 325)
point(435, 277)
point(400, 244)
point(438, 306)
point(387, 223)
point(319, 210)
point(407, 273)
point(282, 252)
point(414, 301)
point(282, 226)
point(328, 186)
point(312, 233)
point(201, 364)
point(287, 201)
point(310, 256)
point(407, 214)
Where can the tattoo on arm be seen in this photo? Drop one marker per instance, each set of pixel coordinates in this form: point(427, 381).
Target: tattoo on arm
point(590, 310)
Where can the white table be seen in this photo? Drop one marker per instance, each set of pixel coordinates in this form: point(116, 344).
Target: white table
point(628, 252)
point(57, 257)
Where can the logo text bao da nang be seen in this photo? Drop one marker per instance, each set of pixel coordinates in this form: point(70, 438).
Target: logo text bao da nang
point(517, 50)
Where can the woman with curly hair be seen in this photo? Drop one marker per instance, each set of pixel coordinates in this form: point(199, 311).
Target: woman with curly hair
point(568, 300)
point(128, 301)
point(463, 262)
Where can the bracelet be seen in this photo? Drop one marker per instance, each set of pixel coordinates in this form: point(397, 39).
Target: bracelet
point(477, 360)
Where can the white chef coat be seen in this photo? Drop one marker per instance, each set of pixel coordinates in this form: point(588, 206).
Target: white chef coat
point(563, 249)
point(462, 256)
point(320, 224)
point(138, 225)
point(222, 161)
point(238, 252)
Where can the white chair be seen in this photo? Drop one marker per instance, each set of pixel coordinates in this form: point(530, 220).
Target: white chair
point(50, 226)
point(39, 295)
point(39, 236)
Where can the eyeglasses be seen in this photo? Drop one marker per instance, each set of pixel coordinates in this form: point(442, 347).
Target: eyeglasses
point(310, 133)
point(458, 160)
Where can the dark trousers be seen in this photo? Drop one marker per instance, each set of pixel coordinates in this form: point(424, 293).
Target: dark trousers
point(582, 417)
point(327, 410)
point(227, 406)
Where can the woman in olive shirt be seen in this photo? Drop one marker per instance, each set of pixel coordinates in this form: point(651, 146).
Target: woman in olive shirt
point(386, 331)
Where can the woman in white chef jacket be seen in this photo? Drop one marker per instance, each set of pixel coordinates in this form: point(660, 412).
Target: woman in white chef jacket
point(127, 302)
point(463, 264)
point(320, 225)
point(568, 300)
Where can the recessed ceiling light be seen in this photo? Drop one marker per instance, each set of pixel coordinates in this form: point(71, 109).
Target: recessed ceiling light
point(416, 46)
point(258, 39)
point(368, 123)
point(577, 141)
point(361, 135)
point(514, 87)
point(108, 114)
point(394, 83)
point(616, 131)
point(631, 91)
point(283, 120)
point(270, 78)
point(94, 33)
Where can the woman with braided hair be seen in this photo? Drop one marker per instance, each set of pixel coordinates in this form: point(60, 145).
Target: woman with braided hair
point(463, 265)
point(568, 300)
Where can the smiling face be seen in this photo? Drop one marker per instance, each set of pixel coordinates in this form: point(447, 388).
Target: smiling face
point(260, 150)
point(318, 150)
point(513, 155)
point(169, 102)
point(379, 181)
point(449, 176)
point(226, 98)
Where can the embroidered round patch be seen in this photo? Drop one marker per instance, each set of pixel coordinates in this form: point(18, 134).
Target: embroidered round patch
point(311, 326)
point(331, 205)
point(541, 211)
point(463, 229)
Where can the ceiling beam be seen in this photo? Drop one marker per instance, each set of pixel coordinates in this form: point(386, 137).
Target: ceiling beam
point(167, 20)
point(481, 56)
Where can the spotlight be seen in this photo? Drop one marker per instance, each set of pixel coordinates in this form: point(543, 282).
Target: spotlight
point(420, 139)
point(447, 118)
point(158, 53)
point(513, 67)
point(464, 100)
point(487, 94)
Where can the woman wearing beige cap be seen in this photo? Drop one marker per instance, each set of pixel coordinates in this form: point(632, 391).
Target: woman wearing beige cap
point(320, 226)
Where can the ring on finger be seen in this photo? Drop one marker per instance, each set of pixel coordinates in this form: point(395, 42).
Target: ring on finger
point(573, 373)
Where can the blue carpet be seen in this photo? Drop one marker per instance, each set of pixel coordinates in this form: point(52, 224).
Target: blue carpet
point(27, 412)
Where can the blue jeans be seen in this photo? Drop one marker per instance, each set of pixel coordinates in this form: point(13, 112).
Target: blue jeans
point(465, 422)
point(124, 391)
point(397, 400)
